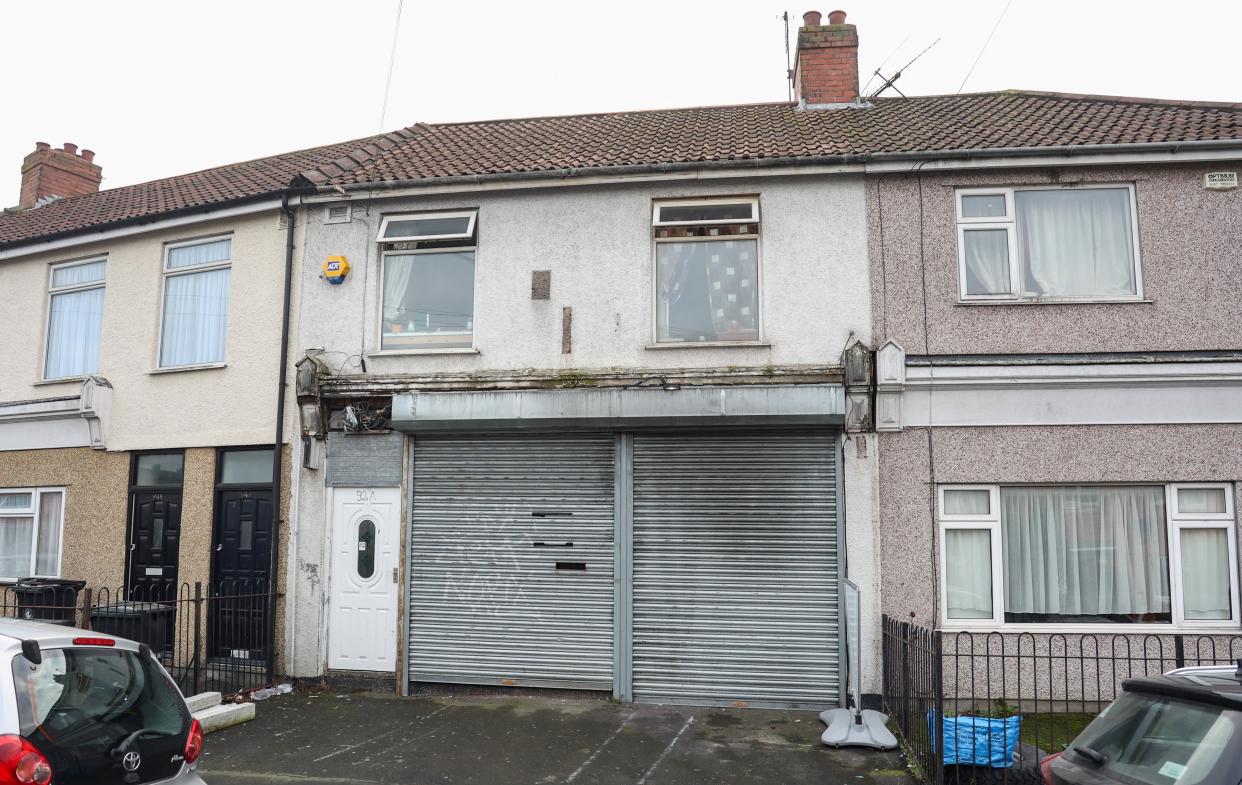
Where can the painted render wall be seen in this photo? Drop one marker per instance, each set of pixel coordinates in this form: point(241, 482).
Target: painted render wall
point(1190, 242)
point(597, 243)
point(233, 405)
point(1052, 455)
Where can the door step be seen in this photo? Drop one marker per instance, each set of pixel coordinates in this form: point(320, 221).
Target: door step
point(224, 715)
point(203, 700)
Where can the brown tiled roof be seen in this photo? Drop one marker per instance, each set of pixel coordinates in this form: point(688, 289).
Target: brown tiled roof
point(1008, 119)
point(683, 137)
point(249, 179)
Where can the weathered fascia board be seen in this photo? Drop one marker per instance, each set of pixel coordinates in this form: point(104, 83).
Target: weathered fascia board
point(640, 407)
point(1104, 394)
point(373, 385)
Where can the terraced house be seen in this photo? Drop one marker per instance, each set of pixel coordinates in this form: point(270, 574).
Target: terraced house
point(139, 430)
point(592, 401)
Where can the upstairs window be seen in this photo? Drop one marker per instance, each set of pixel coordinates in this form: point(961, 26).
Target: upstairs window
point(196, 302)
point(1048, 243)
point(75, 319)
point(707, 271)
point(428, 281)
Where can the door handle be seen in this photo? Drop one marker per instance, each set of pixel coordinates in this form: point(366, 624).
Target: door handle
point(220, 547)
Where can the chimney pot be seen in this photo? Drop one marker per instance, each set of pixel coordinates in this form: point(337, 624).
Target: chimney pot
point(836, 17)
point(70, 148)
point(811, 19)
point(88, 155)
point(42, 146)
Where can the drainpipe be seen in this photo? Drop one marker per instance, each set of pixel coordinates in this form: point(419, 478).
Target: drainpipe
point(278, 451)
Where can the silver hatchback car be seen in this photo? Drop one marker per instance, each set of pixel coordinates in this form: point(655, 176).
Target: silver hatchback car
point(78, 707)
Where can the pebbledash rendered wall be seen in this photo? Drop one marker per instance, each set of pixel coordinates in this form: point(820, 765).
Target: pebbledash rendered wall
point(1189, 239)
point(597, 241)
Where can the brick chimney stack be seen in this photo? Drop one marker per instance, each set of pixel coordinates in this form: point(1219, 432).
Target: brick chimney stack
point(64, 172)
point(826, 68)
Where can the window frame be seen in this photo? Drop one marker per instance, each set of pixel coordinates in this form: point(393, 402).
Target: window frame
point(33, 512)
point(760, 338)
point(472, 214)
point(379, 313)
point(205, 267)
point(1175, 523)
point(52, 292)
point(1010, 224)
point(753, 201)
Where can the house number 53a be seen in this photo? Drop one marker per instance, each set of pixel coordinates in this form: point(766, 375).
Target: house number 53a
point(366, 495)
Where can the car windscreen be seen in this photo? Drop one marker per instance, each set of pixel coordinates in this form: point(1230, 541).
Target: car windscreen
point(85, 707)
point(1153, 740)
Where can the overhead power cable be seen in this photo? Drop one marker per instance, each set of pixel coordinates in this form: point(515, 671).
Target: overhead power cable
point(392, 59)
point(982, 49)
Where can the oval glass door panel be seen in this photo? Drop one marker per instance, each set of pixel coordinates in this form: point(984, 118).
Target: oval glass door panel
point(366, 549)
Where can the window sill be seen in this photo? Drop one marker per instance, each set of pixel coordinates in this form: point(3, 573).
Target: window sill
point(62, 380)
point(1224, 628)
point(1062, 301)
point(413, 352)
point(711, 345)
point(181, 368)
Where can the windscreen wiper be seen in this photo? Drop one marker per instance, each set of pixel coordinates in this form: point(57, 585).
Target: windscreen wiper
point(122, 748)
point(1096, 757)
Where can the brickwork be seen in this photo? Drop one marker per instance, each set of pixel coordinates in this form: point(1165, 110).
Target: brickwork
point(62, 172)
point(826, 71)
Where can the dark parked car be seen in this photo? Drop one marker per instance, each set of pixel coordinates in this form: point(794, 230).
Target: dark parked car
point(1183, 728)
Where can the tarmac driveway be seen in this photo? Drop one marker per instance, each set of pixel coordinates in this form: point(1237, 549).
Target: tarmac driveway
point(333, 738)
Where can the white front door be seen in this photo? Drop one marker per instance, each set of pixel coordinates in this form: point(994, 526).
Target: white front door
point(362, 608)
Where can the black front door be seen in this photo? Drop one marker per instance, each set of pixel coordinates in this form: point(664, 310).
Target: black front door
point(242, 559)
point(154, 530)
point(154, 542)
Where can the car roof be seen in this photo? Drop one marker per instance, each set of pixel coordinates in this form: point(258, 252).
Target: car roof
point(14, 631)
point(1219, 685)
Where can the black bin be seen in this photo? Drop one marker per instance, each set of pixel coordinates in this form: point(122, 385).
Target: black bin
point(47, 599)
point(144, 622)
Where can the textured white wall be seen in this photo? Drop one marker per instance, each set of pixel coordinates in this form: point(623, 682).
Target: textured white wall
point(233, 405)
point(597, 243)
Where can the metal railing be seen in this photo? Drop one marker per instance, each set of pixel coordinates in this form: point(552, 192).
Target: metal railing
point(208, 636)
point(1014, 698)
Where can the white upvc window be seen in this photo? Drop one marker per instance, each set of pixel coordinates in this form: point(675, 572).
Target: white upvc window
point(194, 328)
point(1032, 555)
point(74, 319)
point(707, 272)
point(427, 281)
point(1048, 243)
point(31, 525)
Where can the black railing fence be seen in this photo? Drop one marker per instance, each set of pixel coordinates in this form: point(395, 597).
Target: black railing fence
point(208, 636)
point(990, 706)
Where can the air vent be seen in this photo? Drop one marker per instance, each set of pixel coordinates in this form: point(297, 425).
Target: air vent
point(339, 214)
point(282, 221)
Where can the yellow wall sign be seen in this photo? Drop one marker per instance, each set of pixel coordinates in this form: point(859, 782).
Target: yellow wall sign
point(335, 268)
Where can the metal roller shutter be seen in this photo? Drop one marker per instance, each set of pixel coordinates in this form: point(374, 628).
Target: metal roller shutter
point(511, 560)
point(736, 568)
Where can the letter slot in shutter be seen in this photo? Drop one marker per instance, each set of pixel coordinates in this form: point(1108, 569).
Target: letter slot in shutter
point(366, 549)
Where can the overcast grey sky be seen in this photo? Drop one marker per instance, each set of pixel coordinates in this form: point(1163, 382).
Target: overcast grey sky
point(162, 88)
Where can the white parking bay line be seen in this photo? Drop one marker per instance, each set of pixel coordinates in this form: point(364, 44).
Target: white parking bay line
point(599, 749)
point(377, 738)
point(667, 750)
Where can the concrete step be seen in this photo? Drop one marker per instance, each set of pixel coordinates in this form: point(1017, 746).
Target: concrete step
point(203, 700)
point(226, 715)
